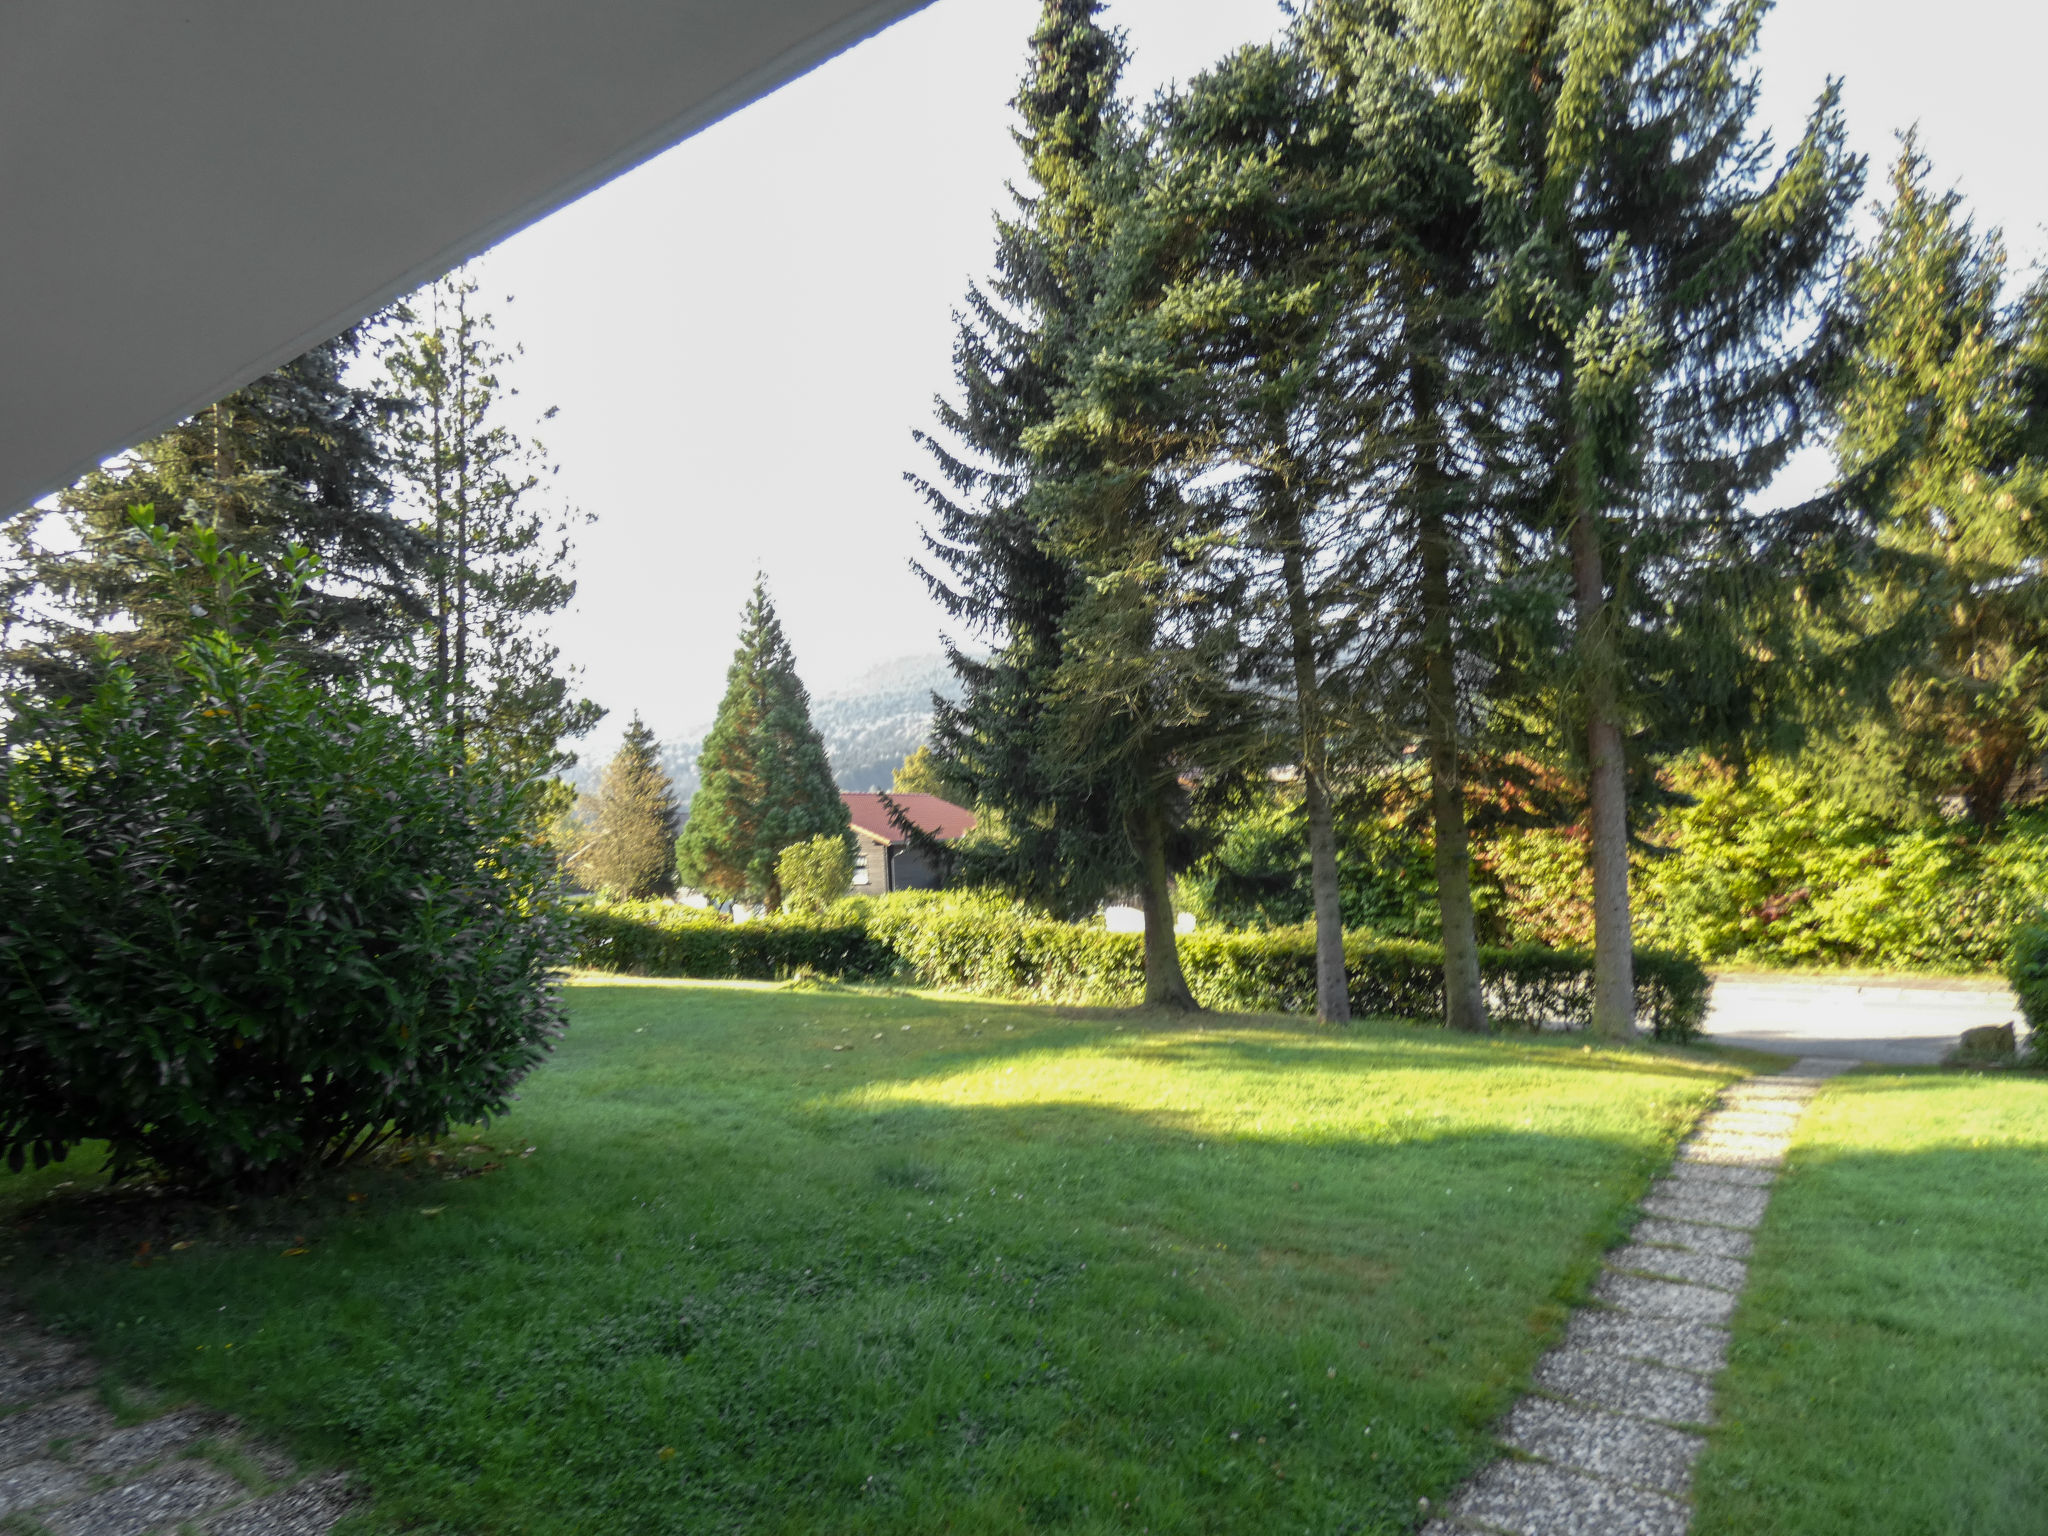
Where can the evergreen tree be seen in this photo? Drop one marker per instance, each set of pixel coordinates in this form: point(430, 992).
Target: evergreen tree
point(631, 855)
point(765, 782)
point(1942, 425)
point(1057, 834)
point(1651, 280)
point(499, 556)
point(294, 461)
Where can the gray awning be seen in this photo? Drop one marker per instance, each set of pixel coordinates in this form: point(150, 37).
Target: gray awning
point(191, 193)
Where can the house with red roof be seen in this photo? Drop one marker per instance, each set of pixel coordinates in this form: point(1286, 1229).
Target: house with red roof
point(883, 860)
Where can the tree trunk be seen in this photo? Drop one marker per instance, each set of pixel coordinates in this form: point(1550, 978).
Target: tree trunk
point(1614, 987)
point(1464, 994)
point(1165, 986)
point(1333, 987)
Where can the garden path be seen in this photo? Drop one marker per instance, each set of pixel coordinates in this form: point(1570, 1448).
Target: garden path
point(69, 1465)
point(1606, 1444)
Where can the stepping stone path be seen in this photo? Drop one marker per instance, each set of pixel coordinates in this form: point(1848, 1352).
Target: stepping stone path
point(1605, 1446)
point(69, 1467)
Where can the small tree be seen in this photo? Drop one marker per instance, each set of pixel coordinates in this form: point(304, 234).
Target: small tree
point(918, 775)
point(766, 782)
point(632, 856)
point(814, 874)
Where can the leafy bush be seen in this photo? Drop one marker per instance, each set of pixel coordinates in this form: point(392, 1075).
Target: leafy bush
point(2026, 968)
point(814, 874)
point(976, 945)
point(250, 924)
point(662, 939)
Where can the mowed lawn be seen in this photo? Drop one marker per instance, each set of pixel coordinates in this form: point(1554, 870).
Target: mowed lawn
point(1889, 1375)
point(839, 1261)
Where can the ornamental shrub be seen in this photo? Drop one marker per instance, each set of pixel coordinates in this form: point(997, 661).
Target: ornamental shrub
point(251, 925)
point(974, 944)
point(814, 874)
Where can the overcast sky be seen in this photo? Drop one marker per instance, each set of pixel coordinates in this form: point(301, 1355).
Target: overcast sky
point(742, 334)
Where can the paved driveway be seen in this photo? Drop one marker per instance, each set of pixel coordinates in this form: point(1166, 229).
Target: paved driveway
point(1863, 1018)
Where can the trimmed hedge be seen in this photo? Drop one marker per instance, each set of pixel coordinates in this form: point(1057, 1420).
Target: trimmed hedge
point(655, 938)
point(985, 948)
point(2026, 968)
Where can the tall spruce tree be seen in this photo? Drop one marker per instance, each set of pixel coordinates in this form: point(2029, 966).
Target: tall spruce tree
point(499, 556)
point(296, 460)
point(1942, 427)
point(631, 853)
point(1652, 281)
point(1063, 828)
point(765, 782)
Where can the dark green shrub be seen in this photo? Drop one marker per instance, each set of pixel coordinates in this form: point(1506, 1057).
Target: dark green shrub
point(251, 924)
point(655, 938)
point(972, 944)
point(2026, 968)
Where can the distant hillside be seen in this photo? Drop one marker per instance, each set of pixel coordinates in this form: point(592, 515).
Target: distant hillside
point(869, 726)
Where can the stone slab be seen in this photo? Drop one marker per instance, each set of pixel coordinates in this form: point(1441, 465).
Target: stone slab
point(184, 1490)
point(1722, 1242)
point(1661, 1340)
point(310, 1509)
point(1665, 1298)
point(1720, 1205)
point(1728, 1154)
point(1626, 1386)
point(30, 1381)
point(140, 1444)
point(26, 1435)
point(1753, 1120)
point(1680, 1264)
point(35, 1483)
point(1713, 1170)
point(1530, 1499)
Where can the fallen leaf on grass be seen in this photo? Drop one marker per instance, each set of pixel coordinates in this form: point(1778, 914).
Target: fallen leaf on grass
point(292, 1253)
point(432, 1210)
point(667, 1453)
point(181, 1247)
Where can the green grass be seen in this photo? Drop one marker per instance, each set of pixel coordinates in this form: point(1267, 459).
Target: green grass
point(811, 1261)
point(1887, 1373)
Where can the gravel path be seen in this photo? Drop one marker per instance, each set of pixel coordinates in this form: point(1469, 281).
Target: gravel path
point(1605, 1445)
point(69, 1467)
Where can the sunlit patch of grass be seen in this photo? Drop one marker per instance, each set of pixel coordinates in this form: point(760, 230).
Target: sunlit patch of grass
point(850, 1261)
point(1886, 1377)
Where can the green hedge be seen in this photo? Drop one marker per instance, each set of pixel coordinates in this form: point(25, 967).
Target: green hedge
point(655, 938)
point(2026, 968)
point(983, 947)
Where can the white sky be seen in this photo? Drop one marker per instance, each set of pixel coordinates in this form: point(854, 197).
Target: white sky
point(742, 334)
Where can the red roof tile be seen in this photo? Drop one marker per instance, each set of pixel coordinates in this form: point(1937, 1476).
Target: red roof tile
point(943, 819)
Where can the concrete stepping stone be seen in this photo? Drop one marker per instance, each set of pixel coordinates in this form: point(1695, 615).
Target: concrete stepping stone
point(1606, 1453)
point(67, 1468)
point(1530, 1498)
point(1722, 1242)
point(1685, 1264)
point(1626, 1386)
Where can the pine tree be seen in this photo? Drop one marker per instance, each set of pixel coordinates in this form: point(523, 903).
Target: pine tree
point(499, 555)
point(1057, 835)
point(1650, 282)
point(1942, 424)
point(295, 460)
point(631, 855)
point(765, 782)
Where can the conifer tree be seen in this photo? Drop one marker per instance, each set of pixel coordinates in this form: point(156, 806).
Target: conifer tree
point(1650, 279)
point(1942, 425)
point(295, 460)
point(498, 552)
point(765, 782)
point(1066, 827)
point(631, 855)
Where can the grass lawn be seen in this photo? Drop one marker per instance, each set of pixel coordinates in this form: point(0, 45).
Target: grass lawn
point(841, 1261)
point(1887, 1375)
